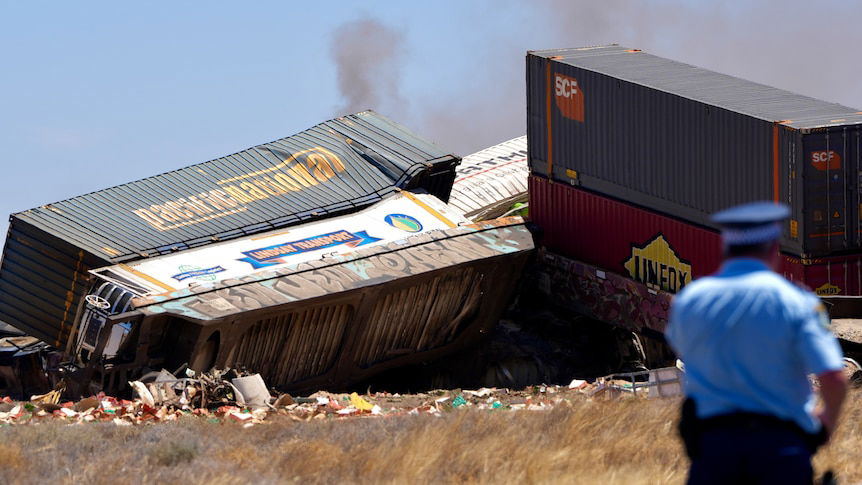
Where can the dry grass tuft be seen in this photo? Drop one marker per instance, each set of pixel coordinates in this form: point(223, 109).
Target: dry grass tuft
point(172, 453)
point(843, 453)
point(11, 457)
point(581, 442)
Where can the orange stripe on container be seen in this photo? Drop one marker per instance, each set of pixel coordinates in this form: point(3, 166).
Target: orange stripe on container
point(434, 212)
point(775, 162)
point(827, 234)
point(147, 277)
point(548, 120)
point(70, 297)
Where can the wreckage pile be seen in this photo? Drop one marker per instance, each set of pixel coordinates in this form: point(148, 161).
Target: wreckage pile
point(231, 396)
point(235, 396)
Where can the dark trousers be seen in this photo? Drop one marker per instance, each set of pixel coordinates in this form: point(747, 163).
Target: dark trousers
point(742, 456)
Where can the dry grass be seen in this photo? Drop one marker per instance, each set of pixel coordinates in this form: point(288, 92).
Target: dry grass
point(844, 452)
point(587, 442)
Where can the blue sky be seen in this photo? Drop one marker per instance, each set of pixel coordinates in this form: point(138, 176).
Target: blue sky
point(94, 94)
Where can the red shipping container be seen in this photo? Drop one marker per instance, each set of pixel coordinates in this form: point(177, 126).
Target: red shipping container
point(661, 252)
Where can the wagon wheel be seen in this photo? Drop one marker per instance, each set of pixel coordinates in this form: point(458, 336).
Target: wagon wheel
point(97, 301)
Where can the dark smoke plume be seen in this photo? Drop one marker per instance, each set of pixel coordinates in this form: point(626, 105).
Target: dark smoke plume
point(802, 46)
point(368, 57)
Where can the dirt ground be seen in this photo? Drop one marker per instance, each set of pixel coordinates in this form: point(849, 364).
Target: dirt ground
point(575, 441)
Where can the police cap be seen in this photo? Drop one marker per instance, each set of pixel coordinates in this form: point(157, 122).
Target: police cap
point(752, 223)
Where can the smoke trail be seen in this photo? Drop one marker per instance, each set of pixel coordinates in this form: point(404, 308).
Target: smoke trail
point(805, 47)
point(367, 56)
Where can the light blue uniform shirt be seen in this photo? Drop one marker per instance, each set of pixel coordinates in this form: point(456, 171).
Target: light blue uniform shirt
point(749, 338)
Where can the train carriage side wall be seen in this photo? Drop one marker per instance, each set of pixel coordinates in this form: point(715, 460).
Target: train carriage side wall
point(666, 152)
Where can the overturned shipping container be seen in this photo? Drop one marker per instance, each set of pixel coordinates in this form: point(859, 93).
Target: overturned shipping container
point(336, 167)
point(490, 182)
point(685, 142)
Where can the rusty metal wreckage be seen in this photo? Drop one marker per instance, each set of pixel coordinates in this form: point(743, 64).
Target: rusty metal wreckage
point(328, 323)
point(424, 283)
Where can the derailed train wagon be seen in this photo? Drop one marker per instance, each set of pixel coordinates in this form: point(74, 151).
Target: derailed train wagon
point(314, 320)
point(243, 261)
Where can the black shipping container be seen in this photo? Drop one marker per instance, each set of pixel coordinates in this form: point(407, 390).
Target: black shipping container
point(336, 167)
point(686, 141)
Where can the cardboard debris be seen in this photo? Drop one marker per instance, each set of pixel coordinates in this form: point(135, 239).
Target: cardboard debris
point(577, 384)
point(251, 390)
point(231, 397)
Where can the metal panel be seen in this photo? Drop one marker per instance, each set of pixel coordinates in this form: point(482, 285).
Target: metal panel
point(622, 238)
point(396, 217)
point(603, 295)
point(838, 275)
point(830, 161)
point(293, 346)
point(43, 280)
point(704, 86)
point(618, 237)
point(538, 122)
point(490, 181)
point(341, 272)
point(671, 137)
point(325, 323)
point(336, 167)
point(419, 317)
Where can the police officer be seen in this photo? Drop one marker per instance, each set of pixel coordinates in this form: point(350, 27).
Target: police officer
point(749, 339)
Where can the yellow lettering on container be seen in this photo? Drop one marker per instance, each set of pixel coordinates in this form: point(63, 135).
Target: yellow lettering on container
point(306, 168)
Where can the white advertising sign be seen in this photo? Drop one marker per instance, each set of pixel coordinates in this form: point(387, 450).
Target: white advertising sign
point(397, 217)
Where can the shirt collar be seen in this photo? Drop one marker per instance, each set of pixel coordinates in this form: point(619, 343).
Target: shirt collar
point(737, 266)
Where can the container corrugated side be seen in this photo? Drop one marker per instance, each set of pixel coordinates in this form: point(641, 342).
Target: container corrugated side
point(647, 147)
point(336, 167)
point(663, 252)
point(644, 245)
point(489, 181)
point(44, 279)
point(831, 194)
point(682, 157)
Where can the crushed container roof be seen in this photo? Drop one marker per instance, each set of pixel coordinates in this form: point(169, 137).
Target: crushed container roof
point(334, 167)
point(699, 84)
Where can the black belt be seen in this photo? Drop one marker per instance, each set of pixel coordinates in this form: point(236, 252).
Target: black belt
point(751, 422)
point(691, 428)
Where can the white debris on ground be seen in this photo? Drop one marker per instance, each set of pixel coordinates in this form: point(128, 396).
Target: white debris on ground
point(227, 396)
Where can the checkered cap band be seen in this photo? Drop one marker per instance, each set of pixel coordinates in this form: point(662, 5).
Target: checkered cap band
point(751, 235)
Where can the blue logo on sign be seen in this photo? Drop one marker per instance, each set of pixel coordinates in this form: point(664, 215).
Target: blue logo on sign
point(271, 255)
point(202, 274)
point(404, 222)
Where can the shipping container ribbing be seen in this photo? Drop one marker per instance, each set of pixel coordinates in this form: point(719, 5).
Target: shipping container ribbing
point(336, 167)
point(686, 142)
